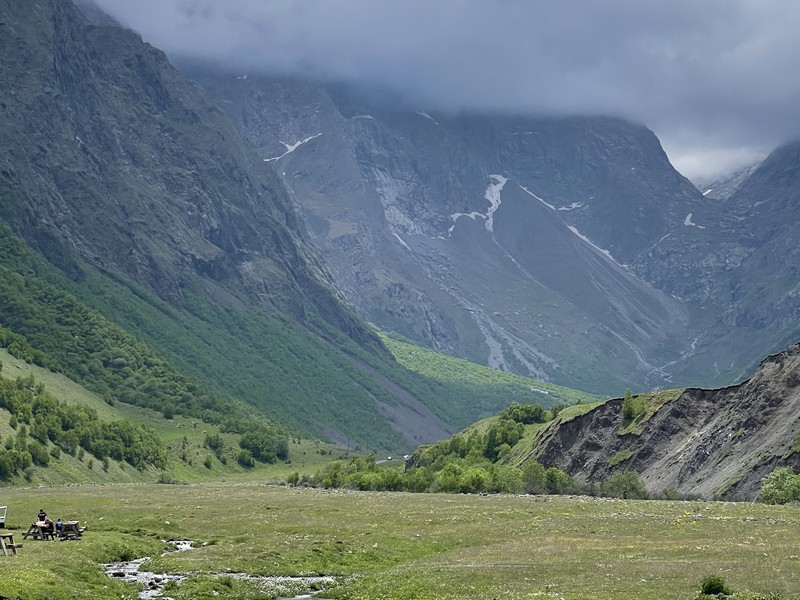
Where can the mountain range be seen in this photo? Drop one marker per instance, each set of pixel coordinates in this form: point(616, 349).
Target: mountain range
point(251, 229)
point(567, 249)
point(127, 192)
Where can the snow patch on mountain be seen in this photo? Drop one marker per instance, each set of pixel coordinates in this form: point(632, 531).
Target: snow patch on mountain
point(593, 245)
point(493, 196)
point(402, 241)
point(573, 206)
point(292, 147)
point(659, 241)
point(456, 216)
point(542, 200)
point(689, 223)
point(422, 113)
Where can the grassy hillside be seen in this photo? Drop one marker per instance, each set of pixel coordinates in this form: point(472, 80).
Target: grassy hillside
point(188, 457)
point(111, 335)
point(474, 391)
point(276, 366)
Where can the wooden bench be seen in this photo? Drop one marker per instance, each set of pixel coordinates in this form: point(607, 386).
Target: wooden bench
point(7, 543)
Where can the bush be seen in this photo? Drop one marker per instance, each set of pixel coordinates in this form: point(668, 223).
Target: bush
point(713, 585)
point(632, 406)
point(534, 478)
point(39, 454)
point(780, 486)
point(558, 482)
point(246, 459)
point(525, 413)
point(625, 484)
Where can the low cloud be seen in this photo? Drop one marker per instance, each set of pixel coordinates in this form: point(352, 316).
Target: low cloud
point(713, 79)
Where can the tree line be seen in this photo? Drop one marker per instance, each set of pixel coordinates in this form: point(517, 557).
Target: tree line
point(44, 427)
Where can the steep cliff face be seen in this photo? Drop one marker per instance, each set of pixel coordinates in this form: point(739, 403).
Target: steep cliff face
point(107, 153)
point(713, 443)
point(739, 264)
point(569, 248)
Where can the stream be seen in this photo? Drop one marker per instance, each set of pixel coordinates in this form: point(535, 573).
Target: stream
point(154, 583)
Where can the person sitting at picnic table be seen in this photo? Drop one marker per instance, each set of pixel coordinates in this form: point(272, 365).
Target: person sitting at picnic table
point(44, 522)
point(59, 524)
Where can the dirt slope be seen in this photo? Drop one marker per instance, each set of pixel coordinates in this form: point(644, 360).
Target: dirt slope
point(713, 443)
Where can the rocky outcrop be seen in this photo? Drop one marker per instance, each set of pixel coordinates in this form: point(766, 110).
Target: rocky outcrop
point(711, 443)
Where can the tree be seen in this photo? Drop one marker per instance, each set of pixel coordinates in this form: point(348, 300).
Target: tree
point(629, 406)
point(625, 484)
point(558, 482)
point(525, 413)
point(534, 478)
point(780, 486)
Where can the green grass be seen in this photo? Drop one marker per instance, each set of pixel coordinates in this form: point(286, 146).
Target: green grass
point(405, 546)
point(652, 402)
point(619, 457)
point(526, 448)
point(469, 391)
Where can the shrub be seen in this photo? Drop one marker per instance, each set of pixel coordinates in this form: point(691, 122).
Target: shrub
point(39, 454)
point(780, 486)
point(534, 478)
point(246, 459)
point(713, 585)
point(558, 482)
point(525, 413)
point(625, 484)
point(632, 406)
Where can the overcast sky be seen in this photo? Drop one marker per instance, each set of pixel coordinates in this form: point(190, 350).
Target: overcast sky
point(717, 80)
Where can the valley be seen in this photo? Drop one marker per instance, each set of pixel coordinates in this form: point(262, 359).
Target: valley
point(326, 332)
point(404, 546)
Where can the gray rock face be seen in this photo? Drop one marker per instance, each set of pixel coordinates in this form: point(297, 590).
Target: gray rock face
point(108, 154)
point(568, 249)
point(714, 443)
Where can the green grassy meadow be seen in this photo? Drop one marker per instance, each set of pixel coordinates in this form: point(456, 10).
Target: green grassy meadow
point(400, 545)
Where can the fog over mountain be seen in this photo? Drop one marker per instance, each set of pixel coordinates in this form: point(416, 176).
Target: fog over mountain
point(711, 79)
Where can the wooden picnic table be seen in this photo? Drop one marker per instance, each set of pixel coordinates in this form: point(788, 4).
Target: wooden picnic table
point(71, 530)
point(40, 531)
point(7, 543)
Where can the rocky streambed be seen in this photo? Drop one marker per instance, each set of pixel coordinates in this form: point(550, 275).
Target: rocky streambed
point(285, 587)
